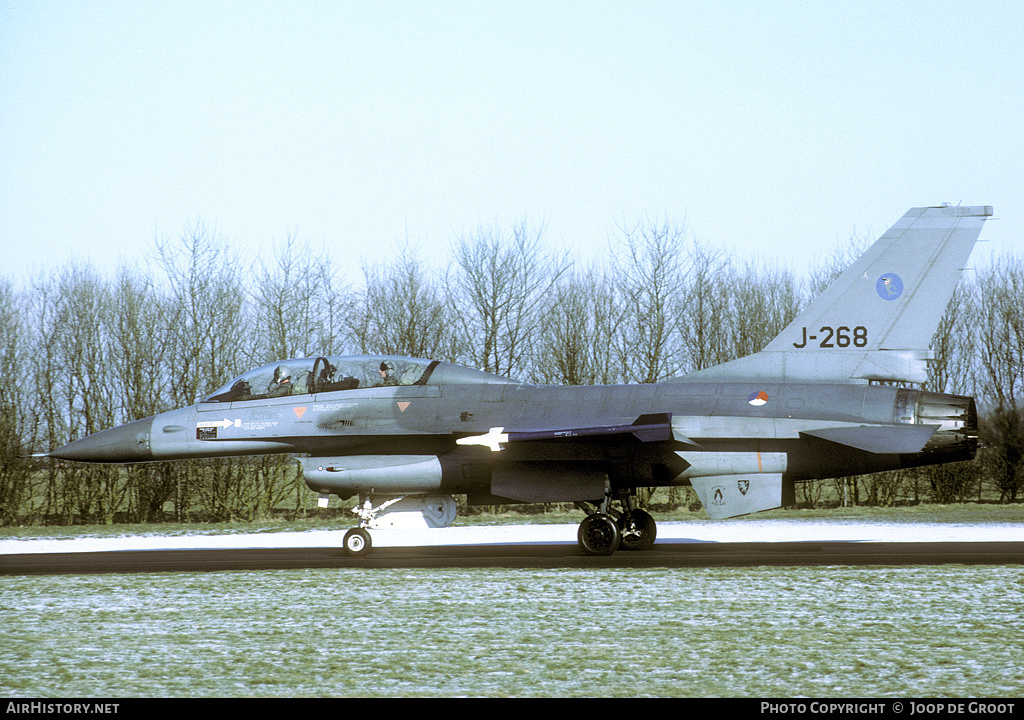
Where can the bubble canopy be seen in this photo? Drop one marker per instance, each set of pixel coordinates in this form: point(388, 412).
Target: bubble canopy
point(304, 376)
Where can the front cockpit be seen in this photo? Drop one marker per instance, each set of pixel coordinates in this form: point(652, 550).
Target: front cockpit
point(305, 376)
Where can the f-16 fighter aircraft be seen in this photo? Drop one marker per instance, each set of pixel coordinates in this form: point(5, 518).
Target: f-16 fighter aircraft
point(831, 396)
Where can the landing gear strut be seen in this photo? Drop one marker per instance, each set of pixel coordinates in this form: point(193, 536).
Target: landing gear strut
point(638, 530)
point(409, 512)
point(605, 530)
point(357, 541)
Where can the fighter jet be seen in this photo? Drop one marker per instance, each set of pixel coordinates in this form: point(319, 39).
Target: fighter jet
point(835, 394)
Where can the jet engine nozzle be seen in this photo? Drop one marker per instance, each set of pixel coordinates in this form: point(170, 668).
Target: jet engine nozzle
point(956, 416)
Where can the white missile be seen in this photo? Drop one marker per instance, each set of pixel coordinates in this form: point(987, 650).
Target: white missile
point(493, 438)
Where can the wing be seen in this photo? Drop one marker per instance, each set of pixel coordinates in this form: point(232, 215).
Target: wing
point(646, 428)
point(568, 464)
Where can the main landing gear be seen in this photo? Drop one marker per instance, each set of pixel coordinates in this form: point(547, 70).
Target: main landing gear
point(605, 530)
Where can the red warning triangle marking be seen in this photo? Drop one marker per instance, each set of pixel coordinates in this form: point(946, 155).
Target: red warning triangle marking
point(403, 405)
point(299, 412)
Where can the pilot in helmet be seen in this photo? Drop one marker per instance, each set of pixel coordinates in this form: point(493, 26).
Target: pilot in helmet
point(282, 382)
point(387, 374)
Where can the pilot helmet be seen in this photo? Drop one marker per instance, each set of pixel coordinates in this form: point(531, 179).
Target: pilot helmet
point(282, 373)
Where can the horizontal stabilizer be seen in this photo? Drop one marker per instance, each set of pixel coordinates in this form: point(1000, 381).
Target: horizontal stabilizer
point(879, 439)
point(653, 428)
point(726, 496)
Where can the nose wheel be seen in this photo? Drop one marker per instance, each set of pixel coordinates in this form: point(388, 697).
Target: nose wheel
point(357, 542)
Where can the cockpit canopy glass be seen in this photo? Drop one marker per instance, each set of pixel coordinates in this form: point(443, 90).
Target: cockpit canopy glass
point(306, 376)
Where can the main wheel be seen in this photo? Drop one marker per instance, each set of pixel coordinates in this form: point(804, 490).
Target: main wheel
point(598, 535)
point(357, 542)
point(638, 530)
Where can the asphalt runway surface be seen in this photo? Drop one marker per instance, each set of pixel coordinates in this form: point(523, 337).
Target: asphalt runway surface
point(679, 545)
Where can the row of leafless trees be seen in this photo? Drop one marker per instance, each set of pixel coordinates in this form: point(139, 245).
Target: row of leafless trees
point(81, 351)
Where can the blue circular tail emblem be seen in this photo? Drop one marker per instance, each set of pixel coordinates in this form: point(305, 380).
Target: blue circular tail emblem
point(889, 286)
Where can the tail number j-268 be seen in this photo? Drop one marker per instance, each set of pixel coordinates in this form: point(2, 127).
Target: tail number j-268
point(836, 337)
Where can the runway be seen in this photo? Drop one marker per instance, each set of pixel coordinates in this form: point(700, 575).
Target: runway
point(679, 545)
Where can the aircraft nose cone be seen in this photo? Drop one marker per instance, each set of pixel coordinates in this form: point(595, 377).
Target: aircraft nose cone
point(124, 444)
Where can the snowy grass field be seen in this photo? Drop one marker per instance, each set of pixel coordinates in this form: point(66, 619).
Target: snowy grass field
point(898, 632)
point(895, 632)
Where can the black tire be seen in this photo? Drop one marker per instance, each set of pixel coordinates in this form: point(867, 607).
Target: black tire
point(638, 530)
point(357, 542)
point(598, 535)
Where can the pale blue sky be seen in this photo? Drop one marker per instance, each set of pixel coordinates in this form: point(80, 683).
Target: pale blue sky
point(774, 128)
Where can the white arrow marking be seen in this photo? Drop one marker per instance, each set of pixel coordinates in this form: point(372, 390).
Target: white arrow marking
point(223, 424)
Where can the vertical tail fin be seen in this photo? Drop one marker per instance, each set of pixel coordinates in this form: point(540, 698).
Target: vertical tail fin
point(877, 319)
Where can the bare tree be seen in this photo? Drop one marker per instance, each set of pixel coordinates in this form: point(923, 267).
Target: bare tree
point(334, 309)
point(404, 312)
point(999, 322)
point(764, 301)
point(208, 338)
point(76, 389)
point(139, 345)
point(139, 340)
point(17, 423)
point(295, 304)
point(208, 296)
point(953, 368)
point(703, 321)
point(94, 353)
point(578, 331)
point(653, 285)
point(498, 292)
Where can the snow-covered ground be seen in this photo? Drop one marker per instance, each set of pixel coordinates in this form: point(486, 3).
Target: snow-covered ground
point(768, 531)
